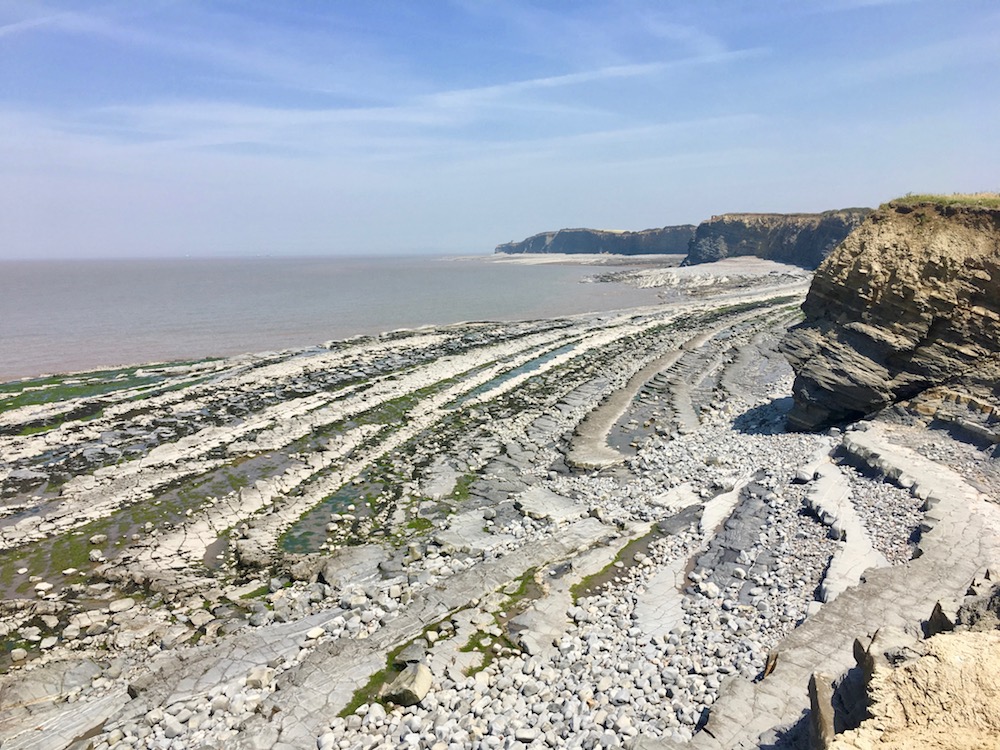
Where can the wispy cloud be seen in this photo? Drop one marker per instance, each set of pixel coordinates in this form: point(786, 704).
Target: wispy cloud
point(131, 115)
point(213, 40)
point(21, 27)
point(969, 50)
point(636, 70)
point(441, 117)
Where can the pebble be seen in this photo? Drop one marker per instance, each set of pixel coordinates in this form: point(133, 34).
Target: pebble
point(606, 681)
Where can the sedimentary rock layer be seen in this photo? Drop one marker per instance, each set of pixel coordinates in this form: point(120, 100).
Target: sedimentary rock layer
point(909, 301)
point(801, 239)
point(665, 240)
point(238, 553)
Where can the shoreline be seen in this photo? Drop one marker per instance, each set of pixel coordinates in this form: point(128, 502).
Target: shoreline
point(83, 362)
point(53, 326)
point(425, 476)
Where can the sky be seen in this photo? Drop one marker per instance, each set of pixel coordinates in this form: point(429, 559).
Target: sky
point(171, 128)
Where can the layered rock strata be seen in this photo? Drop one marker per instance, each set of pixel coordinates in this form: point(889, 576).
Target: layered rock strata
point(238, 553)
point(909, 301)
point(226, 551)
point(800, 239)
point(665, 240)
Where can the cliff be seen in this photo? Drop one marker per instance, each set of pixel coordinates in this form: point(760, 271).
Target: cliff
point(666, 240)
point(800, 239)
point(910, 301)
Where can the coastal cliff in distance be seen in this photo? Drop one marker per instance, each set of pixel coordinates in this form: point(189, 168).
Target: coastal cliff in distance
point(665, 240)
point(799, 239)
point(909, 302)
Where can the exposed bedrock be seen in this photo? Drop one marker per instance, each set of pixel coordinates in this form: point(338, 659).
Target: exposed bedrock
point(665, 240)
point(910, 301)
point(800, 239)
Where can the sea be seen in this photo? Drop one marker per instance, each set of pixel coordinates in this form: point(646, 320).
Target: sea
point(70, 316)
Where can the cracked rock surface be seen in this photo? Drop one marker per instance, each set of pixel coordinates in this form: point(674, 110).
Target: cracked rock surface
point(243, 553)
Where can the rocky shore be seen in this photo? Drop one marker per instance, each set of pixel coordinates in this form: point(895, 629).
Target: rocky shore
point(581, 532)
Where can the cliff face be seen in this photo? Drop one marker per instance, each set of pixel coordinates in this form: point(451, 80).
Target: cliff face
point(666, 240)
point(800, 239)
point(909, 301)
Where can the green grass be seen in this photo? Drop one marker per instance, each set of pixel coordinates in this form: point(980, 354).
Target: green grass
point(71, 548)
point(396, 410)
point(589, 584)
point(715, 314)
point(474, 644)
point(55, 388)
point(159, 391)
point(524, 585)
point(257, 593)
point(975, 200)
point(16, 386)
point(370, 690)
point(419, 524)
point(463, 487)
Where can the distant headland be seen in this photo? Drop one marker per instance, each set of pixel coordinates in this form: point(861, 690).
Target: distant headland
point(800, 239)
point(665, 240)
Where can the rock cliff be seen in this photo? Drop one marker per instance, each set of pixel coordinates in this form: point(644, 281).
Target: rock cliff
point(910, 301)
point(946, 698)
point(665, 240)
point(800, 239)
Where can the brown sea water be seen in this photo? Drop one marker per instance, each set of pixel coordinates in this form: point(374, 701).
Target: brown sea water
point(65, 316)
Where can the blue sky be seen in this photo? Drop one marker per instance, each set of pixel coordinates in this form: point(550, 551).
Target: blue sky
point(161, 128)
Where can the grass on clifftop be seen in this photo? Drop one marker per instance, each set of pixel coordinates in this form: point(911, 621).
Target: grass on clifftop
point(975, 200)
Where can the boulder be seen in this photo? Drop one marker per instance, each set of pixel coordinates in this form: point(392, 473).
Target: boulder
point(410, 686)
point(980, 613)
point(948, 697)
point(414, 653)
point(352, 565)
point(944, 616)
point(260, 677)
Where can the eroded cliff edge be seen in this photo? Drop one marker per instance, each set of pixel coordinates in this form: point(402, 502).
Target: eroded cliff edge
point(800, 239)
point(665, 240)
point(909, 301)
